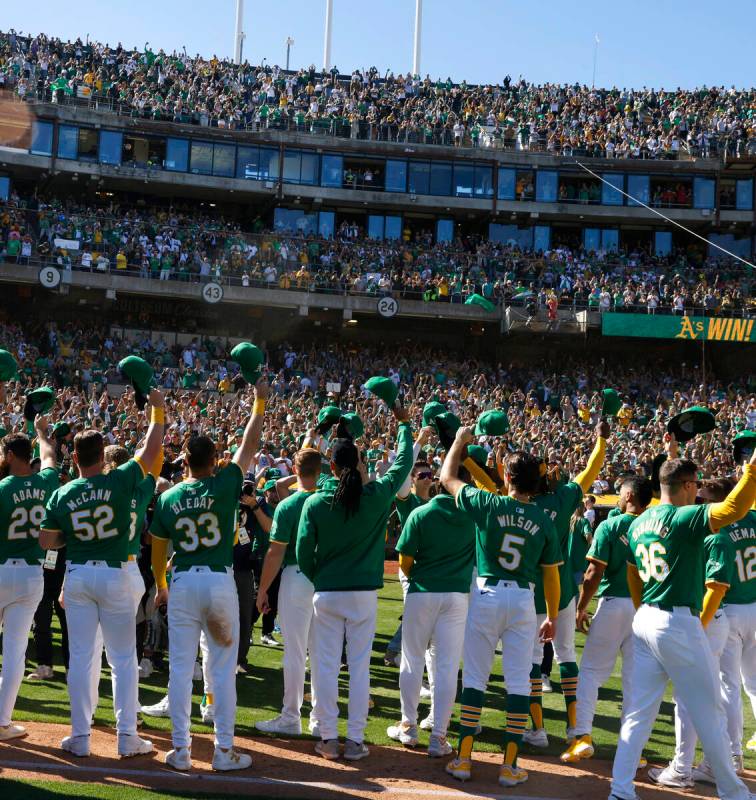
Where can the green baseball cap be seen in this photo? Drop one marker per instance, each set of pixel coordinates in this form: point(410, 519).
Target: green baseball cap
point(447, 425)
point(268, 485)
point(8, 366)
point(431, 410)
point(478, 454)
point(61, 430)
point(611, 403)
point(239, 432)
point(329, 415)
point(384, 388)
point(3, 432)
point(250, 358)
point(479, 300)
point(140, 375)
point(691, 422)
point(743, 445)
point(272, 473)
point(38, 401)
point(350, 426)
point(492, 423)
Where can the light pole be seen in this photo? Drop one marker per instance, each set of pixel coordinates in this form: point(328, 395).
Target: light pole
point(418, 35)
point(289, 45)
point(327, 42)
point(239, 37)
point(595, 59)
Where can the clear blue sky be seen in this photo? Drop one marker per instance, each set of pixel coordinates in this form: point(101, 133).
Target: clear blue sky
point(660, 43)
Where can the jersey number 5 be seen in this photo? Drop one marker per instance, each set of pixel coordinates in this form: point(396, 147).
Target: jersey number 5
point(653, 565)
point(511, 555)
point(193, 539)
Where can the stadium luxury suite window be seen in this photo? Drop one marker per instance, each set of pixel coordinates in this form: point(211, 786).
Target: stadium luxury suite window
point(611, 194)
point(202, 158)
point(546, 186)
point(177, 155)
point(224, 156)
point(332, 171)
point(396, 176)
point(579, 189)
point(515, 184)
point(736, 194)
point(143, 151)
point(111, 147)
point(256, 163)
point(77, 143)
point(301, 167)
point(4, 188)
point(419, 177)
point(42, 138)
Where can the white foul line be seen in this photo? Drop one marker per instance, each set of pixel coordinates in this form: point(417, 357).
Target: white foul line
point(165, 774)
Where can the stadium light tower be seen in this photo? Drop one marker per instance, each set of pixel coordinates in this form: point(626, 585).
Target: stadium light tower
point(418, 36)
point(328, 30)
point(239, 37)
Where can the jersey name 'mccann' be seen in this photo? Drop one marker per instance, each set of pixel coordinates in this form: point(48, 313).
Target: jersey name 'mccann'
point(511, 521)
point(204, 503)
point(94, 496)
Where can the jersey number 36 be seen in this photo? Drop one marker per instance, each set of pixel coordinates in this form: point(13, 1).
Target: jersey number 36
point(653, 565)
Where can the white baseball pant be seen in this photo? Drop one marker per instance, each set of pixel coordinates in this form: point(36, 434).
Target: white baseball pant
point(201, 600)
point(436, 618)
point(336, 615)
point(503, 612)
point(564, 638)
point(98, 595)
point(611, 632)
point(430, 653)
point(672, 645)
point(21, 588)
point(686, 737)
point(739, 662)
point(295, 618)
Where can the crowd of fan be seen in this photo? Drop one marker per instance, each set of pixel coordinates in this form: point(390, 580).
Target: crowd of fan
point(560, 119)
point(552, 409)
point(191, 245)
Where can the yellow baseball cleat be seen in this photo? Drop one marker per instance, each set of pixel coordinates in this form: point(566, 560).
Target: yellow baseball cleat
point(642, 763)
point(751, 743)
point(578, 749)
point(460, 768)
point(511, 776)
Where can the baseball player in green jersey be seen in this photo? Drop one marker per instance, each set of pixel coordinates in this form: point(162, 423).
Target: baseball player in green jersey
point(91, 516)
point(294, 595)
point(515, 541)
point(199, 518)
point(666, 575)
point(340, 548)
point(610, 629)
point(559, 505)
point(436, 554)
point(720, 565)
point(23, 494)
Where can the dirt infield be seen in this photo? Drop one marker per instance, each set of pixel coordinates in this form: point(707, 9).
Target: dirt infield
point(290, 769)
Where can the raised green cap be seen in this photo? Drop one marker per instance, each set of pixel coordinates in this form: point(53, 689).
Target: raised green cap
point(250, 358)
point(479, 300)
point(61, 429)
point(8, 366)
point(384, 388)
point(350, 426)
point(492, 423)
point(691, 422)
point(478, 454)
point(431, 410)
point(743, 445)
point(38, 401)
point(139, 374)
point(447, 425)
point(611, 403)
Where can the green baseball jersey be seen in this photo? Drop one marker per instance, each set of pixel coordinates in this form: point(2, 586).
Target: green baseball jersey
point(580, 533)
point(259, 537)
point(406, 505)
point(94, 514)
point(441, 540)
point(742, 535)
point(559, 506)
point(199, 517)
point(609, 547)
point(720, 558)
point(666, 543)
point(513, 538)
point(286, 524)
point(139, 505)
point(22, 511)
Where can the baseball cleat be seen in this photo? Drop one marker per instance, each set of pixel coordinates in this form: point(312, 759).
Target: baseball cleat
point(737, 763)
point(438, 747)
point(207, 712)
point(511, 776)
point(76, 745)
point(227, 760)
point(180, 758)
point(406, 734)
point(160, 709)
point(145, 668)
point(425, 692)
point(11, 731)
point(281, 726)
point(547, 688)
point(197, 675)
point(669, 776)
point(427, 724)
point(642, 762)
point(751, 743)
point(579, 748)
point(269, 641)
point(536, 738)
point(313, 728)
point(329, 749)
point(133, 745)
point(460, 768)
point(41, 673)
point(702, 773)
point(355, 751)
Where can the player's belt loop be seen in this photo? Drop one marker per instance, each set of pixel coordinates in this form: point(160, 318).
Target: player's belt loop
point(203, 568)
point(93, 562)
point(507, 584)
point(672, 609)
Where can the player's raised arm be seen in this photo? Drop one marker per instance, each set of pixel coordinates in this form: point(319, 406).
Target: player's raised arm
point(450, 467)
point(251, 438)
point(46, 446)
point(596, 459)
point(149, 453)
point(402, 466)
point(738, 502)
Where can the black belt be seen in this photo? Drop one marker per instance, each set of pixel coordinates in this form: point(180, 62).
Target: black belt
point(100, 562)
point(202, 568)
point(670, 609)
point(497, 581)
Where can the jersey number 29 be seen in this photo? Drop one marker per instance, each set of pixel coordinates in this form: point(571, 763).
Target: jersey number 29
point(25, 522)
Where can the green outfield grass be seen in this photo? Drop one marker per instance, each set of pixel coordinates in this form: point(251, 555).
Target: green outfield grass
point(260, 692)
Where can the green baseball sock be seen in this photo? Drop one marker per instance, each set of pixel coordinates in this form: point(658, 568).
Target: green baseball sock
point(517, 719)
point(536, 697)
point(470, 707)
point(568, 672)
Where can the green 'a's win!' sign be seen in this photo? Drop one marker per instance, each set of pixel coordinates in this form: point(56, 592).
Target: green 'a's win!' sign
point(714, 329)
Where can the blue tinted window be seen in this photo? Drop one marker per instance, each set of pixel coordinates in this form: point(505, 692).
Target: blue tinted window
point(441, 179)
point(68, 141)
point(42, 138)
point(610, 240)
point(483, 186)
point(592, 239)
point(514, 235)
point(740, 245)
point(546, 186)
point(326, 223)
point(507, 180)
point(638, 186)
point(292, 166)
point(419, 177)
point(4, 188)
point(445, 230)
point(224, 156)
point(291, 219)
point(609, 195)
point(375, 226)
point(542, 238)
point(332, 171)
point(662, 243)
point(744, 194)
point(202, 158)
point(268, 164)
point(393, 228)
point(247, 162)
point(703, 193)
point(396, 176)
point(309, 173)
point(111, 147)
point(463, 180)
point(177, 155)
